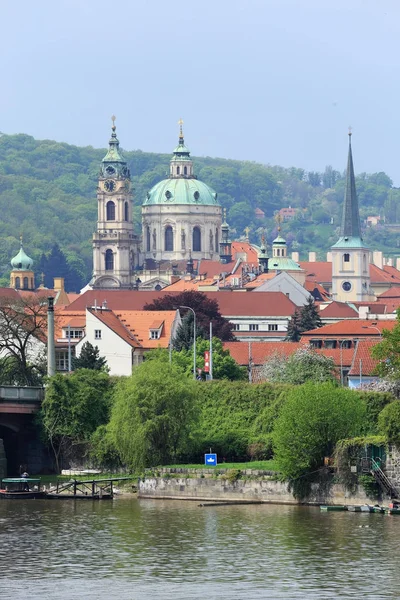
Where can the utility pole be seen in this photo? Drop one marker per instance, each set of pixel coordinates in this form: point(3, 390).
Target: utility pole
point(51, 350)
point(211, 354)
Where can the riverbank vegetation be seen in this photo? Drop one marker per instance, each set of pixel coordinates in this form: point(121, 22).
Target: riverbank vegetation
point(161, 416)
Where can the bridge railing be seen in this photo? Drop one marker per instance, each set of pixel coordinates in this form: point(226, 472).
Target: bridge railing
point(11, 393)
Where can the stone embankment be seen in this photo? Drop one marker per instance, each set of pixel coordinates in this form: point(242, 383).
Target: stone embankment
point(234, 486)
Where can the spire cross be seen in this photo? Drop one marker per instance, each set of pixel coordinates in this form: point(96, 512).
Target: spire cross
point(263, 238)
point(180, 123)
point(113, 119)
point(278, 219)
point(247, 231)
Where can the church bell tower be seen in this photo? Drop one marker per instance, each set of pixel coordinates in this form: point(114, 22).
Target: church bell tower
point(115, 247)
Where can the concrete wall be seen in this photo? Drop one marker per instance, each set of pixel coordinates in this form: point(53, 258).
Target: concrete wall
point(392, 468)
point(3, 461)
point(242, 490)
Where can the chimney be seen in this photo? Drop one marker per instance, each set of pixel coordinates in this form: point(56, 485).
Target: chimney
point(389, 262)
point(377, 258)
point(295, 257)
point(398, 264)
point(312, 257)
point(51, 349)
point(58, 284)
point(329, 257)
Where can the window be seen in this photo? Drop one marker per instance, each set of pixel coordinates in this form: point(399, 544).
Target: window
point(61, 360)
point(154, 335)
point(148, 241)
point(196, 245)
point(109, 260)
point(26, 283)
point(126, 211)
point(178, 170)
point(74, 333)
point(236, 327)
point(97, 334)
point(364, 262)
point(185, 170)
point(278, 252)
point(272, 327)
point(346, 257)
point(110, 210)
point(216, 240)
point(253, 327)
point(169, 239)
point(17, 283)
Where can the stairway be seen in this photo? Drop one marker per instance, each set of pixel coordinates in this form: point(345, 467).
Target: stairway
point(382, 479)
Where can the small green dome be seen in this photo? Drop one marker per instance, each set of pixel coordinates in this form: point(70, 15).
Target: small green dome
point(22, 262)
point(181, 191)
point(279, 240)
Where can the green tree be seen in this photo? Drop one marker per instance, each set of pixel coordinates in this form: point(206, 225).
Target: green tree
point(389, 422)
point(300, 367)
point(89, 358)
point(294, 329)
point(74, 406)
point(309, 316)
point(388, 352)
point(224, 366)
point(312, 420)
point(183, 339)
point(153, 413)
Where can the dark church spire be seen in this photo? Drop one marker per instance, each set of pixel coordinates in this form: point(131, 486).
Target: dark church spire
point(351, 217)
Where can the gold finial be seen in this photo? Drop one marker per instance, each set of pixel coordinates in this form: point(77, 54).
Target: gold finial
point(278, 219)
point(180, 123)
point(247, 231)
point(263, 238)
point(113, 119)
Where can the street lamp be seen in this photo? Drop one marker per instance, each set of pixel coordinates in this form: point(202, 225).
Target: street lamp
point(194, 339)
point(341, 360)
point(372, 327)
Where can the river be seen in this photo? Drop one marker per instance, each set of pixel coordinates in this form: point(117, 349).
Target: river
point(158, 549)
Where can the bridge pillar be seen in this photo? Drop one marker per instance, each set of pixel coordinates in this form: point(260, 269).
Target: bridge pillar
point(3, 461)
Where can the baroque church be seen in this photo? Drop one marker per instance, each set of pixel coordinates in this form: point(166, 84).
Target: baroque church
point(181, 221)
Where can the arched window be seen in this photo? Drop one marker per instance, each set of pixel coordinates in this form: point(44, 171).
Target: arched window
point(169, 239)
point(148, 242)
point(18, 283)
point(126, 211)
point(216, 240)
point(196, 243)
point(32, 286)
point(109, 260)
point(346, 257)
point(26, 283)
point(278, 252)
point(185, 170)
point(364, 262)
point(178, 170)
point(110, 211)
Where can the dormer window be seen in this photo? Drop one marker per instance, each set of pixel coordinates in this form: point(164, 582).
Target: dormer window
point(155, 330)
point(154, 335)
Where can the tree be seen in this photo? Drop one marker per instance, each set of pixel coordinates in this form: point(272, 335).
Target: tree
point(388, 352)
point(183, 339)
point(74, 406)
point(389, 422)
point(311, 421)
point(206, 310)
point(153, 413)
point(309, 316)
point(89, 358)
point(224, 366)
point(302, 366)
point(294, 329)
point(23, 325)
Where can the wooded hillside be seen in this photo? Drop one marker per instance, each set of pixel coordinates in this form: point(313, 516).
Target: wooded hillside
point(48, 195)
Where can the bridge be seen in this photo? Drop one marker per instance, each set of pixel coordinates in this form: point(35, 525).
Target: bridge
point(18, 430)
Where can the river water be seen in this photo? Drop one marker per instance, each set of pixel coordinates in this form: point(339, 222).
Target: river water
point(158, 549)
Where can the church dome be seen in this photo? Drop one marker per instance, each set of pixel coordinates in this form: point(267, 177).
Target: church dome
point(22, 261)
point(181, 191)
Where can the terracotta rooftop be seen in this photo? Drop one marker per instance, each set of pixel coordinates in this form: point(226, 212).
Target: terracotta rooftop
point(261, 351)
point(363, 353)
point(139, 323)
point(321, 272)
point(340, 310)
point(393, 292)
point(350, 327)
point(231, 303)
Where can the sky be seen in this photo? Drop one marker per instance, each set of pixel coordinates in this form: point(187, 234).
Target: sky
point(273, 81)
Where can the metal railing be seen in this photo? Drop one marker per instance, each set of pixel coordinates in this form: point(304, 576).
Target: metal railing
point(10, 393)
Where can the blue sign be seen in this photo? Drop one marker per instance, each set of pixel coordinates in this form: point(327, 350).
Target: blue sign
point(210, 460)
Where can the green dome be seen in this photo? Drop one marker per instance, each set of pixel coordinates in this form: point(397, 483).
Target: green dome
point(279, 240)
point(181, 191)
point(21, 262)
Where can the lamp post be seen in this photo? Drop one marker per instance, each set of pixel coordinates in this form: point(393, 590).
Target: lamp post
point(194, 339)
point(341, 360)
point(373, 327)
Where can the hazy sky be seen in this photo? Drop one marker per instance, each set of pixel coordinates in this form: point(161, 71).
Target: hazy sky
point(274, 81)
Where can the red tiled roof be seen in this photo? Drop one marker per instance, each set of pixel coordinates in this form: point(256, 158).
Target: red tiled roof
point(212, 268)
point(111, 320)
point(139, 323)
point(322, 273)
point(363, 354)
point(311, 286)
point(261, 351)
point(231, 303)
point(350, 327)
point(340, 310)
point(393, 292)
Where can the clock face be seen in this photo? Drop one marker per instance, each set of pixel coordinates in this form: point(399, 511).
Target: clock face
point(109, 185)
point(346, 285)
point(110, 170)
